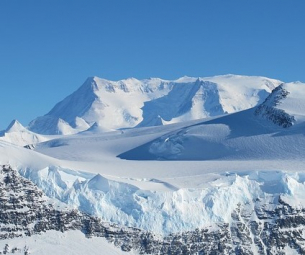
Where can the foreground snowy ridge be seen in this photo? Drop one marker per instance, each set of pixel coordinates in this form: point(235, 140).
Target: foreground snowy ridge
point(266, 224)
point(171, 211)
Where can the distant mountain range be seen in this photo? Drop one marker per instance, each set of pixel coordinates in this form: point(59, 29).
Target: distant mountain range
point(110, 105)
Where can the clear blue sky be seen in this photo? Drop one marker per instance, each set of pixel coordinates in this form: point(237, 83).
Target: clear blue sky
point(49, 47)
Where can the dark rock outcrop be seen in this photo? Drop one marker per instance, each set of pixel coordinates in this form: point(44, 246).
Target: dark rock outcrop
point(269, 111)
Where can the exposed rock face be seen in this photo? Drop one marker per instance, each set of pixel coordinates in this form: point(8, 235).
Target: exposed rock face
point(257, 228)
point(24, 209)
point(269, 111)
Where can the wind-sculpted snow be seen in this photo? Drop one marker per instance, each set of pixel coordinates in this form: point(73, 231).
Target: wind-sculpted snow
point(109, 105)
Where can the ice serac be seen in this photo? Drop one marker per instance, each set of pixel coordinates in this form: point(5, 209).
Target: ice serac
point(112, 105)
point(17, 134)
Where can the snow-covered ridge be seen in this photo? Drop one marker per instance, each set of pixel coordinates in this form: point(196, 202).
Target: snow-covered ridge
point(171, 211)
point(261, 220)
point(127, 103)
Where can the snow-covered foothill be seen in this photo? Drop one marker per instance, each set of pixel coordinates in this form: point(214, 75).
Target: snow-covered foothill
point(171, 211)
point(17, 134)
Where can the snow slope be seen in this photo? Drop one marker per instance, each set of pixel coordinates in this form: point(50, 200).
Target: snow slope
point(19, 135)
point(109, 105)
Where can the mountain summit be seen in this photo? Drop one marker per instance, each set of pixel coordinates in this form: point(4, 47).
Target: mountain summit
point(112, 105)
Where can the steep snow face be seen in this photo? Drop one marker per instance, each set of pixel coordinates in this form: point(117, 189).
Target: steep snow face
point(110, 105)
point(19, 135)
point(285, 105)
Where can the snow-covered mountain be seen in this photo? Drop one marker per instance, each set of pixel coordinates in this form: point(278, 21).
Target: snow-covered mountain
point(105, 104)
point(17, 134)
point(256, 133)
point(111, 105)
point(232, 183)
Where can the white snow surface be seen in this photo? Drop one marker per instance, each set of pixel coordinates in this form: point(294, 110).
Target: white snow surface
point(111, 105)
point(67, 243)
point(172, 178)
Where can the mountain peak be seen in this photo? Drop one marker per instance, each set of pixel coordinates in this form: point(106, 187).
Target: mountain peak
point(14, 126)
